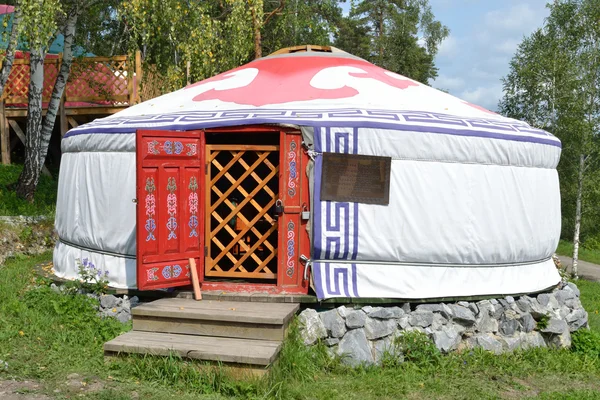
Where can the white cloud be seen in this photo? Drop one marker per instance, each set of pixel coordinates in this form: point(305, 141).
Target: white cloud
point(517, 18)
point(449, 47)
point(485, 35)
point(448, 82)
point(485, 96)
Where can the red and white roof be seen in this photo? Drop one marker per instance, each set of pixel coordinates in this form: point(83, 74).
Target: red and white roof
point(316, 89)
point(306, 81)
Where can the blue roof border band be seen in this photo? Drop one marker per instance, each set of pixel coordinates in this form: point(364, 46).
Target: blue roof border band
point(417, 121)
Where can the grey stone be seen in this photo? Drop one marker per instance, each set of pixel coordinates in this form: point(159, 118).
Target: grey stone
point(488, 342)
point(462, 314)
point(134, 301)
point(563, 311)
point(511, 343)
point(109, 301)
point(498, 310)
point(504, 303)
point(543, 299)
point(367, 309)
point(429, 307)
point(494, 301)
point(331, 341)
point(378, 328)
point(556, 326)
point(552, 302)
point(335, 325)
point(354, 348)
point(573, 303)
point(446, 311)
point(561, 341)
point(312, 328)
point(574, 288)
point(508, 327)
point(123, 316)
point(533, 339)
point(406, 308)
point(509, 299)
point(55, 288)
point(420, 318)
point(527, 323)
point(524, 303)
point(355, 319)
point(484, 307)
point(403, 322)
point(473, 307)
point(397, 312)
point(577, 319)
point(380, 347)
point(564, 295)
point(447, 339)
point(485, 323)
point(438, 322)
point(538, 311)
point(382, 313)
point(343, 311)
point(463, 304)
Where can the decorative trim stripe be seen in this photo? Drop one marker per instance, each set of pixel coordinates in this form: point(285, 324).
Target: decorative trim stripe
point(354, 118)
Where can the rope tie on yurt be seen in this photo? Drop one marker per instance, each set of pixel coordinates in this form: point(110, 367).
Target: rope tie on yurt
point(104, 252)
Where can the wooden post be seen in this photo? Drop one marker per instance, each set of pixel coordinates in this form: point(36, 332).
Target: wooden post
point(4, 136)
point(130, 78)
point(64, 123)
point(195, 281)
point(138, 75)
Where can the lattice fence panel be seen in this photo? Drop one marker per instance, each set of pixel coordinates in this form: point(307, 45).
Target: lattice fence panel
point(242, 189)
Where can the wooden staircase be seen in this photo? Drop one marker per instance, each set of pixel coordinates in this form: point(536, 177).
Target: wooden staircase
point(239, 334)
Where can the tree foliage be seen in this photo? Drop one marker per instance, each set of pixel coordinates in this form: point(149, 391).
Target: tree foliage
point(554, 84)
point(399, 35)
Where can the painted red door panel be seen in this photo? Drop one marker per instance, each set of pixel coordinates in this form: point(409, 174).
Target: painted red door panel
point(170, 206)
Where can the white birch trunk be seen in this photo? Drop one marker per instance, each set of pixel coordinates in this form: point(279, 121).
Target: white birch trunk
point(30, 175)
point(578, 216)
point(59, 86)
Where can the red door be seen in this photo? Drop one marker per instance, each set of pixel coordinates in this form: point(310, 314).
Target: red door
point(170, 207)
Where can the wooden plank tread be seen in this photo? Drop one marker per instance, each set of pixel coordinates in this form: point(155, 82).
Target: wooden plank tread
point(210, 310)
point(227, 350)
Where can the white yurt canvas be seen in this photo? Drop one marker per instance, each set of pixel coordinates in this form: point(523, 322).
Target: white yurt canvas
point(473, 209)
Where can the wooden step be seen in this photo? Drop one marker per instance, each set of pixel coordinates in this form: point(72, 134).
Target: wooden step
point(263, 321)
point(227, 350)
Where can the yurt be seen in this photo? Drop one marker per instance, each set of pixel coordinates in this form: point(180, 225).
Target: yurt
point(312, 171)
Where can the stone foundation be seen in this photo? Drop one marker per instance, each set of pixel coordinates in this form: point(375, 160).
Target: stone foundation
point(363, 334)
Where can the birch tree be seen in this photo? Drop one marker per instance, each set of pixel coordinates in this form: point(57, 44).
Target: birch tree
point(40, 34)
point(554, 84)
point(39, 20)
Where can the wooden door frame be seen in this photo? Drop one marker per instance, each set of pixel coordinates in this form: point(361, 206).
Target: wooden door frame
point(287, 282)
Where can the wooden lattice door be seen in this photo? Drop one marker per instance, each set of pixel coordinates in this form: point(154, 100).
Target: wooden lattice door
point(242, 190)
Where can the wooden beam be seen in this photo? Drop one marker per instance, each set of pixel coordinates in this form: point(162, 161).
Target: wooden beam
point(21, 136)
point(195, 281)
point(72, 122)
point(4, 137)
point(64, 124)
point(138, 75)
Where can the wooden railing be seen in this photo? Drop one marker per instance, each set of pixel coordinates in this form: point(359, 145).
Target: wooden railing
point(101, 81)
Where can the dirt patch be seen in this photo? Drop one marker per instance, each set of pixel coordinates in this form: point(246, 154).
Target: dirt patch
point(21, 390)
point(25, 235)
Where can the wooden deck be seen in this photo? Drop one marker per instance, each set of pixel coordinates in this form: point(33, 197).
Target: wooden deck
point(97, 87)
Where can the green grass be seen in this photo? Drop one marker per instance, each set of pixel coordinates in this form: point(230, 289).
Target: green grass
point(566, 249)
point(45, 336)
point(45, 195)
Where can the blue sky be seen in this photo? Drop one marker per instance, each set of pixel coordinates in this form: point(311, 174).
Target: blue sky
point(484, 35)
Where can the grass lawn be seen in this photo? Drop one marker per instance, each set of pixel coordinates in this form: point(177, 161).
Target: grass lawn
point(45, 336)
point(10, 204)
point(566, 249)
